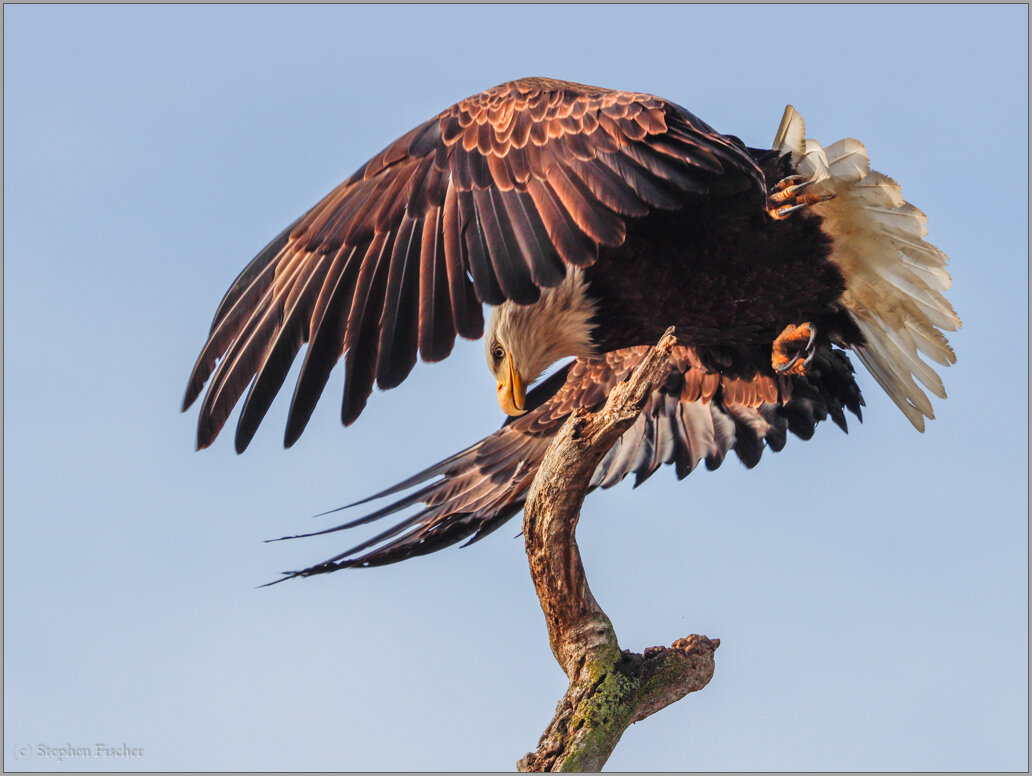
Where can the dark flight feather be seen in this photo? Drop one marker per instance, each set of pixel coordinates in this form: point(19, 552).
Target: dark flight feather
point(546, 268)
point(399, 322)
point(292, 335)
point(436, 324)
point(361, 340)
point(239, 366)
point(511, 270)
point(325, 347)
point(478, 255)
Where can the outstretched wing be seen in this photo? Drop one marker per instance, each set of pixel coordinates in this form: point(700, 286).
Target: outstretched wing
point(490, 200)
point(696, 416)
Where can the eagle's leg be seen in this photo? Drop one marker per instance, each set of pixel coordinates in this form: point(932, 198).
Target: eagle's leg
point(786, 197)
point(793, 349)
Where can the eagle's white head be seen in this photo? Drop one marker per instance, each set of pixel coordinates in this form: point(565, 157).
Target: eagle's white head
point(522, 341)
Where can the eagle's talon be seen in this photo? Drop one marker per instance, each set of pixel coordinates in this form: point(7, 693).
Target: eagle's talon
point(790, 181)
point(786, 367)
point(793, 349)
point(781, 194)
point(779, 213)
point(785, 198)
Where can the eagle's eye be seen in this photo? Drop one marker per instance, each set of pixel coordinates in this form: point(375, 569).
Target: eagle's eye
point(497, 352)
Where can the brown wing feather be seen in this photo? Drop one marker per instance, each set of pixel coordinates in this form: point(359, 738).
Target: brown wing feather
point(483, 486)
point(436, 324)
point(491, 199)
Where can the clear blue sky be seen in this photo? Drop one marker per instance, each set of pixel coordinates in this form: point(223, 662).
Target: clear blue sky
point(869, 589)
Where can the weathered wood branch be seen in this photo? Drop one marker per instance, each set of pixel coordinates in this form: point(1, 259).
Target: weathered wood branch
point(609, 689)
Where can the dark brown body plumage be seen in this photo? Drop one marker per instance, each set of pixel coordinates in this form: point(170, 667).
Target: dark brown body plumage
point(726, 275)
point(718, 273)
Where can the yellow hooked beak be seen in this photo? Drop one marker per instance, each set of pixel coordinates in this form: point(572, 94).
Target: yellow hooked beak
point(511, 392)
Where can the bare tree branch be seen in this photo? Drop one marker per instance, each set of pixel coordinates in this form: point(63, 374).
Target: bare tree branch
point(609, 688)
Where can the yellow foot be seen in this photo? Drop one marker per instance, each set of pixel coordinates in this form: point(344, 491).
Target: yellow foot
point(793, 349)
point(786, 197)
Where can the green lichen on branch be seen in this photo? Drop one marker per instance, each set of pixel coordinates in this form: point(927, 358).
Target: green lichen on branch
point(600, 720)
point(610, 695)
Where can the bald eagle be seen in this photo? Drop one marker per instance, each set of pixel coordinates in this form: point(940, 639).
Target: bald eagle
point(590, 220)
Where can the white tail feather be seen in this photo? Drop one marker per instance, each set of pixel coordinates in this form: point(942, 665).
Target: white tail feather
point(894, 278)
point(847, 160)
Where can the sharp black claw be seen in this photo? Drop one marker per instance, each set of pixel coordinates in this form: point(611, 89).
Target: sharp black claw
point(781, 212)
point(789, 181)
